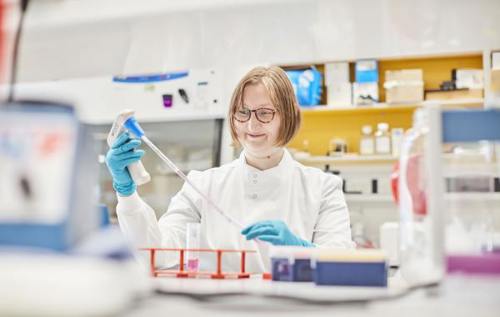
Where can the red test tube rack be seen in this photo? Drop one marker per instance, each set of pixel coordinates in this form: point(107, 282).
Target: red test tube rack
point(182, 273)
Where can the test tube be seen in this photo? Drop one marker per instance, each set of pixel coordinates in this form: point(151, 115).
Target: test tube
point(192, 242)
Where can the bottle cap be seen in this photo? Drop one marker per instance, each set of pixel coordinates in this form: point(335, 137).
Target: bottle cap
point(383, 126)
point(366, 129)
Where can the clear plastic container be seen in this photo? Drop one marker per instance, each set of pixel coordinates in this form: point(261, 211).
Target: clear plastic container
point(470, 170)
point(416, 232)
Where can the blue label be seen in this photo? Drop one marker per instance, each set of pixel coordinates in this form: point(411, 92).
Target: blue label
point(141, 79)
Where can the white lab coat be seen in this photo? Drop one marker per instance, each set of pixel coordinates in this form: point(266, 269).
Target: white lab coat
point(310, 201)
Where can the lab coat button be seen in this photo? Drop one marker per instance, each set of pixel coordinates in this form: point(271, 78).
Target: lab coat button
point(254, 196)
point(255, 181)
point(254, 175)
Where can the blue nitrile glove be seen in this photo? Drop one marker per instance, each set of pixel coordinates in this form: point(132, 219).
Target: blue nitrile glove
point(275, 232)
point(122, 153)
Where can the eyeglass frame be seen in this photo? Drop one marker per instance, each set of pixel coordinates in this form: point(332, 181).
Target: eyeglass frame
point(256, 116)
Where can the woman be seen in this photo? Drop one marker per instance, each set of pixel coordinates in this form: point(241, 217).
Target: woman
point(279, 200)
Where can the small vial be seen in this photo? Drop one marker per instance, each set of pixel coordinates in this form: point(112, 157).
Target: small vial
point(366, 144)
point(193, 242)
point(382, 139)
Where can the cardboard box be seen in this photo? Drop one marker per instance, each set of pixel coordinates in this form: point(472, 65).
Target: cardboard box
point(336, 73)
point(454, 94)
point(339, 95)
point(404, 86)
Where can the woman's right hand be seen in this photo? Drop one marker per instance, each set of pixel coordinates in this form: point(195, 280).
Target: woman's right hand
point(122, 153)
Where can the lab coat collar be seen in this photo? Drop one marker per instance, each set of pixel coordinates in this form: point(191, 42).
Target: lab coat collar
point(282, 166)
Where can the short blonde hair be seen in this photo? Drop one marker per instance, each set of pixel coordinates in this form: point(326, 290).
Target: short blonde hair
point(282, 96)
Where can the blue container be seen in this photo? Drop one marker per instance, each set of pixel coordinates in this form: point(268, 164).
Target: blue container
point(302, 271)
point(351, 273)
point(307, 86)
point(298, 271)
point(281, 269)
point(366, 71)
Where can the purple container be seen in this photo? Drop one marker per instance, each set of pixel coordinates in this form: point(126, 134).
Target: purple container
point(487, 263)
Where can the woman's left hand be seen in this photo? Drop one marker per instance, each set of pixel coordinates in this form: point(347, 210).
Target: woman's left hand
point(275, 232)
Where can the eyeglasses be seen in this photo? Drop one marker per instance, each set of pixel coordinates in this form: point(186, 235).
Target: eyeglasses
point(264, 115)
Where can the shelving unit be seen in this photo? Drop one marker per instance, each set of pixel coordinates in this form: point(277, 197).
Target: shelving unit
point(322, 123)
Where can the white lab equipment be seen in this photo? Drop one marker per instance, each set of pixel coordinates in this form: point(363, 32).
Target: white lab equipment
point(137, 170)
point(49, 171)
point(431, 218)
point(471, 201)
point(389, 241)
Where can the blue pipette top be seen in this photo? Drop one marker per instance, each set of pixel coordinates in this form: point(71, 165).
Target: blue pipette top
point(133, 126)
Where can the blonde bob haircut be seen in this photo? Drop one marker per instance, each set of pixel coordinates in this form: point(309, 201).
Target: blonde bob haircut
point(282, 96)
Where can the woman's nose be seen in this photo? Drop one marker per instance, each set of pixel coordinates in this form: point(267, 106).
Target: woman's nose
point(253, 123)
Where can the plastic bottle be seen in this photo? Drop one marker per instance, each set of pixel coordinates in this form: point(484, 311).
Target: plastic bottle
point(382, 139)
point(396, 136)
point(366, 143)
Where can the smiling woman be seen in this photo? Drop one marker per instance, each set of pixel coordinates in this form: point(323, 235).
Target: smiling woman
point(268, 93)
point(279, 200)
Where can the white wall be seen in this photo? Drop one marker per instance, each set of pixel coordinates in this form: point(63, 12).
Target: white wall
point(96, 38)
point(92, 38)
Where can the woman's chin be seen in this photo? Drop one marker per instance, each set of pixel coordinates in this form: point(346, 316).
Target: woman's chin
point(257, 149)
point(261, 151)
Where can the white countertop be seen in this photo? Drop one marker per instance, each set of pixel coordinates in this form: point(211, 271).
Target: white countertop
point(455, 296)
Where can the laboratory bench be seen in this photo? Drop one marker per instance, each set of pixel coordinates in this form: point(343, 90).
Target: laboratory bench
point(457, 295)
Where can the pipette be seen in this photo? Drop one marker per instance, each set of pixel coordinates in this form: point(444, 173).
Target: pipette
point(133, 126)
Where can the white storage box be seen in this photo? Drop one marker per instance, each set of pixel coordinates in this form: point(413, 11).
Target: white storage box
point(339, 95)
